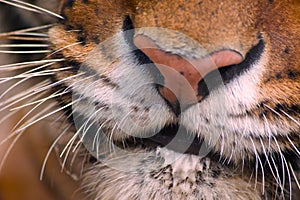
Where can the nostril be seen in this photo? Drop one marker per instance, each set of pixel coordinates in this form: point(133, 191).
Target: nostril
point(182, 75)
point(226, 57)
point(231, 69)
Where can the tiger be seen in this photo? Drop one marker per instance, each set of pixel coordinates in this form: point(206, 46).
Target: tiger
point(151, 99)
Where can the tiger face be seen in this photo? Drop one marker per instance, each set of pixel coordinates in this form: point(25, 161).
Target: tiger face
point(175, 100)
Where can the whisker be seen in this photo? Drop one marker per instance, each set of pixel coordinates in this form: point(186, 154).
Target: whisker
point(40, 87)
point(21, 81)
point(6, 117)
point(45, 116)
point(262, 168)
point(59, 50)
point(37, 34)
point(277, 177)
point(274, 111)
point(10, 148)
point(295, 176)
point(66, 155)
point(39, 103)
point(40, 113)
point(23, 95)
point(23, 45)
point(30, 7)
point(22, 65)
point(10, 136)
point(18, 32)
point(52, 96)
point(84, 159)
point(294, 146)
point(27, 75)
point(85, 129)
point(282, 163)
point(12, 86)
point(26, 52)
point(71, 141)
point(268, 130)
point(27, 114)
point(50, 150)
point(290, 117)
point(46, 39)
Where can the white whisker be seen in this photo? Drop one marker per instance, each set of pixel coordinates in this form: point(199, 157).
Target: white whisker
point(291, 118)
point(26, 52)
point(282, 163)
point(256, 164)
point(17, 32)
point(32, 118)
point(274, 111)
point(23, 45)
point(277, 177)
point(22, 65)
point(52, 96)
point(293, 145)
point(49, 152)
point(12, 87)
point(23, 95)
point(45, 116)
point(9, 78)
point(295, 176)
point(68, 46)
point(33, 34)
point(10, 148)
point(22, 38)
point(66, 155)
point(38, 102)
point(71, 141)
point(30, 7)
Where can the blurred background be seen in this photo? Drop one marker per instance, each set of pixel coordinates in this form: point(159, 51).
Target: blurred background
point(22, 156)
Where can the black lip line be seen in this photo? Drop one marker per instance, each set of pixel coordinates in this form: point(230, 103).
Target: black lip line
point(170, 138)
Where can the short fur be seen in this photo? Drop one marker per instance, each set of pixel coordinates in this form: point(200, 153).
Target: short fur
point(254, 117)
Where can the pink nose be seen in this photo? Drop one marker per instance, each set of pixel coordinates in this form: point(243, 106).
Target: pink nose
point(182, 75)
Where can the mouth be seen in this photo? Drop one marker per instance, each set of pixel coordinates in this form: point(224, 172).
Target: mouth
point(173, 137)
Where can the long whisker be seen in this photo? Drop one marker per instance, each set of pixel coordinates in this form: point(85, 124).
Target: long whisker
point(45, 72)
point(40, 87)
point(291, 118)
point(277, 178)
point(38, 102)
point(294, 175)
point(37, 34)
point(45, 116)
point(52, 96)
point(20, 32)
point(22, 38)
point(9, 149)
point(262, 168)
point(50, 150)
point(21, 81)
point(32, 91)
point(30, 7)
point(23, 65)
point(282, 163)
point(27, 114)
point(23, 45)
point(294, 146)
point(26, 52)
point(65, 47)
